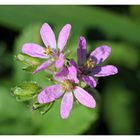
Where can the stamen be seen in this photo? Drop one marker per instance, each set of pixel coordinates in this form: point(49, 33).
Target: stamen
point(90, 63)
point(67, 85)
point(47, 51)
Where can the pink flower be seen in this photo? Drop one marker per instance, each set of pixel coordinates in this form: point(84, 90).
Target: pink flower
point(89, 67)
point(50, 52)
point(68, 88)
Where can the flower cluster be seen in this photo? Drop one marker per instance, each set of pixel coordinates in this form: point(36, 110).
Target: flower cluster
point(68, 76)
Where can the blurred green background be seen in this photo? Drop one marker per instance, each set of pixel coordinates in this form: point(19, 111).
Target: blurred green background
point(118, 100)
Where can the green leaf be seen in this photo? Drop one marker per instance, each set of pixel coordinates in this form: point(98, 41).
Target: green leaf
point(114, 25)
point(26, 91)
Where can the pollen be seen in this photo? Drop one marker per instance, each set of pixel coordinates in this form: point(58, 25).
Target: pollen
point(90, 63)
point(47, 51)
point(67, 85)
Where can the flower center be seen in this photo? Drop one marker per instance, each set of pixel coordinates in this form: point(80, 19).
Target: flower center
point(56, 57)
point(67, 85)
point(47, 51)
point(90, 63)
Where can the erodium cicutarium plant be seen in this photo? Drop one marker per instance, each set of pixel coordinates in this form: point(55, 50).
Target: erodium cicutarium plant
point(70, 80)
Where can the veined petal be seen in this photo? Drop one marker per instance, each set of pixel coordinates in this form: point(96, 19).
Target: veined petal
point(34, 50)
point(89, 80)
point(60, 62)
point(66, 105)
point(82, 50)
point(100, 54)
point(72, 75)
point(48, 36)
point(63, 36)
point(43, 66)
point(84, 97)
point(50, 94)
point(61, 75)
point(69, 73)
point(102, 71)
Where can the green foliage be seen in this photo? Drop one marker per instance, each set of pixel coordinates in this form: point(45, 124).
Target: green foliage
point(118, 111)
point(79, 120)
point(116, 100)
point(113, 24)
point(6, 58)
point(135, 12)
point(15, 116)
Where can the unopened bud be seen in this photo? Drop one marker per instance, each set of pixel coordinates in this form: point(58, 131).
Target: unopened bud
point(26, 91)
point(43, 108)
point(28, 59)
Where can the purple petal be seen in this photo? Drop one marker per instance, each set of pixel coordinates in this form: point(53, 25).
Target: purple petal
point(63, 36)
point(81, 50)
point(84, 97)
point(72, 62)
point(60, 62)
point(34, 50)
point(69, 73)
point(50, 94)
point(66, 105)
point(100, 54)
point(48, 36)
point(43, 66)
point(72, 75)
point(61, 75)
point(102, 71)
point(89, 80)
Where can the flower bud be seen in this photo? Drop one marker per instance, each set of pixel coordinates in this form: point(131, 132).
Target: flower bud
point(26, 91)
point(43, 108)
point(28, 59)
point(30, 62)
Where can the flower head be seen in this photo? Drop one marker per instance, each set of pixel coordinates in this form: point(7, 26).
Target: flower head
point(68, 88)
point(89, 67)
point(50, 52)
